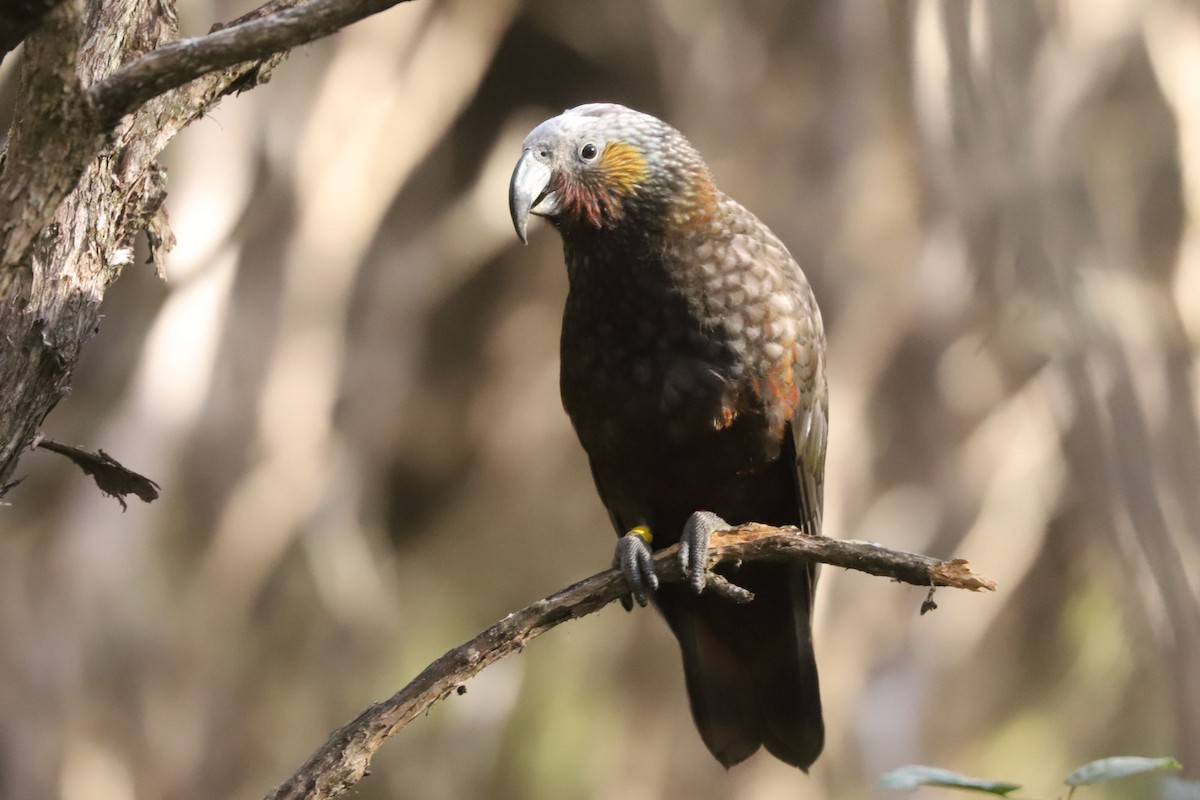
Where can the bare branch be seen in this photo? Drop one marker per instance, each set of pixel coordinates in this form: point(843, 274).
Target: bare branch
point(344, 758)
point(173, 65)
point(747, 543)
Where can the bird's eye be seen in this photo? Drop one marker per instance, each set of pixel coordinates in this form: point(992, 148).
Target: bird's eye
point(588, 151)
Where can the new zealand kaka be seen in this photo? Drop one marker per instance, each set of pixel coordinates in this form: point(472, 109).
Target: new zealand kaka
point(693, 371)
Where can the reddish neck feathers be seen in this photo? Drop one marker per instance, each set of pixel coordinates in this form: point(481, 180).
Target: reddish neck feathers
point(694, 205)
point(590, 202)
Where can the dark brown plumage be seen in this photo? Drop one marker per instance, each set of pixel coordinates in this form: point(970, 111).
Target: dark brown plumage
point(693, 372)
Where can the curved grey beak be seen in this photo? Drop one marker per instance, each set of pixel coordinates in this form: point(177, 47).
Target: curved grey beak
point(527, 192)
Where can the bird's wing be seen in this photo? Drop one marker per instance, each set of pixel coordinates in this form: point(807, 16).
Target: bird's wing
point(801, 388)
point(810, 427)
point(793, 386)
point(810, 417)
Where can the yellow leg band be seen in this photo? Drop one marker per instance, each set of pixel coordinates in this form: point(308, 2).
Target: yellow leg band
point(643, 533)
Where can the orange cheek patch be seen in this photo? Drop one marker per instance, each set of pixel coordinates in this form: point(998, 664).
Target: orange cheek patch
point(594, 197)
point(623, 168)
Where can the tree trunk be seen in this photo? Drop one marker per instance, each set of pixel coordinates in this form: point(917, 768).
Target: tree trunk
point(75, 195)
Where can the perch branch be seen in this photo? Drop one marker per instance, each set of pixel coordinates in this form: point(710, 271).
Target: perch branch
point(257, 37)
point(343, 760)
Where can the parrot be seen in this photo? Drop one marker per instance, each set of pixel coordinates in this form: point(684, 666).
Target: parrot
point(692, 368)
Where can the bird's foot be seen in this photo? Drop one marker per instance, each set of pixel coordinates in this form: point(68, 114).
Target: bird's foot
point(693, 547)
point(634, 559)
point(693, 555)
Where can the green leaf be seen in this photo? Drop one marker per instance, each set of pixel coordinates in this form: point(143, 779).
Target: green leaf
point(1111, 769)
point(915, 775)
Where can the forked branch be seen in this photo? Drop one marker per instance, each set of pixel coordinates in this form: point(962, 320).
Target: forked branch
point(343, 760)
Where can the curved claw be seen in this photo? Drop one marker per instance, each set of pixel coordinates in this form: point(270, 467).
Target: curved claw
point(693, 546)
point(634, 559)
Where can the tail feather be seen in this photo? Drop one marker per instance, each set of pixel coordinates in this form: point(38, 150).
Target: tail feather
point(723, 704)
point(789, 690)
point(750, 669)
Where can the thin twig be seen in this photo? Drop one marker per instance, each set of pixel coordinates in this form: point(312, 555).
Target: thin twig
point(343, 760)
point(111, 476)
point(173, 65)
